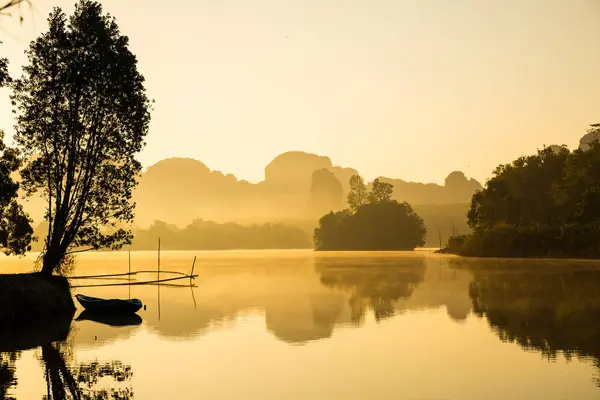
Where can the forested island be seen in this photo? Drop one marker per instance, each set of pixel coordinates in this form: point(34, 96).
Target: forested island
point(374, 221)
point(542, 205)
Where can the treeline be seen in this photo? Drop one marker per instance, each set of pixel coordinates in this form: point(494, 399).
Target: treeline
point(208, 235)
point(373, 222)
point(543, 205)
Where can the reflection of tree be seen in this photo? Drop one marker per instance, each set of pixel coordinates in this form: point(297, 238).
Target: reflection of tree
point(549, 310)
point(90, 375)
point(59, 379)
point(65, 378)
point(7, 374)
point(83, 381)
point(373, 283)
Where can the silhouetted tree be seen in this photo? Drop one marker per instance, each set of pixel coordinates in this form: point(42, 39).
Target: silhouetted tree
point(331, 234)
point(15, 226)
point(381, 224)
point(3, 71)
point(547, 204)
point(358, 192)
point(82, 116)
point(381, 192)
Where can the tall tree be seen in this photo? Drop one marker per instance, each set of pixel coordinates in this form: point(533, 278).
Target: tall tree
point(15, 226)
point(381, 192)
point(358, 192)
point(82, 115)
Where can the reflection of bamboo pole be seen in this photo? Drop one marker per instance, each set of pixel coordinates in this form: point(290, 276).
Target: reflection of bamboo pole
point(158, 288)
point(158, 280)
point(193, 297)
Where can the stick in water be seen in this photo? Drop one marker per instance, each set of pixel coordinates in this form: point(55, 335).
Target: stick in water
point(193, 265)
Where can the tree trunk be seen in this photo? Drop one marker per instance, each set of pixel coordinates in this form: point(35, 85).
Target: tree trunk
point(51, 261)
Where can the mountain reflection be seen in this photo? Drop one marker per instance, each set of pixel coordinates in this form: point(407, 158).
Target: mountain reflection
point(552, 307)
point(303, 299)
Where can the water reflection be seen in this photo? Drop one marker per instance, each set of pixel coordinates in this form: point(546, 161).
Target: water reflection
point(8, 381)
point(372, 283)
point(66, 378)
point(548, 306)
point(302, 298)
point(114, 320)
point(215, 331)
point(18, 336)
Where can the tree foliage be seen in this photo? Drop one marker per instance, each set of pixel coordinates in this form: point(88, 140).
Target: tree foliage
point(16, 232)
point(15, 226)
point(82, 115)
point(378, 222)
point(381, 192)
point(358, 192)
point(3, 71)
point(547, 204)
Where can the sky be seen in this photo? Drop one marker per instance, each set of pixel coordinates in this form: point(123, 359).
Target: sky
point(410, 89)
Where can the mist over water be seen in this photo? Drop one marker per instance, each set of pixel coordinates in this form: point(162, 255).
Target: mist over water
point(299, 324)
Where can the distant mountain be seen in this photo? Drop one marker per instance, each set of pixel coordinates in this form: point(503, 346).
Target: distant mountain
point(457, 189)
point(178, 190)
point(298, 189)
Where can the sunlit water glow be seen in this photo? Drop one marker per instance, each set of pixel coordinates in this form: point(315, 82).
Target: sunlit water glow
point(305, 325)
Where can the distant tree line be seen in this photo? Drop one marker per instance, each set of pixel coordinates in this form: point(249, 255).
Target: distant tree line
point(373, 222)
point(542, 205)
point(208, 235)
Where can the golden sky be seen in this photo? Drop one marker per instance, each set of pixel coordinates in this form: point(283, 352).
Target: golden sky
point(409, 89)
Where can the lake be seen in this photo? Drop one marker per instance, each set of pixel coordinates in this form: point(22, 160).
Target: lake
point(306, 325)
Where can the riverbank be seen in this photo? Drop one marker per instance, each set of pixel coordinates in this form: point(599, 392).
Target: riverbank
point(32, 297)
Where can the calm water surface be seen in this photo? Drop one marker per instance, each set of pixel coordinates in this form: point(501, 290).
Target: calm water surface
point(304, 325)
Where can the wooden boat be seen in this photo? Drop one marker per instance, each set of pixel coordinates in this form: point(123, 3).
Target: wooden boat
point(97, 305)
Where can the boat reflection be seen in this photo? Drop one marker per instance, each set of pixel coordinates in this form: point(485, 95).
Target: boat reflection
point(109, 319)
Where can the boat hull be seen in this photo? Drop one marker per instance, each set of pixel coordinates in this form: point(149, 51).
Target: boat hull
point(115, 306)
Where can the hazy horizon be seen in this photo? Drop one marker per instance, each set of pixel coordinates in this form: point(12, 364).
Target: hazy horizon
point(396, 89)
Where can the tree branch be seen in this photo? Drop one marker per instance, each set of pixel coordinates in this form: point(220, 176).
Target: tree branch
point(79, 251)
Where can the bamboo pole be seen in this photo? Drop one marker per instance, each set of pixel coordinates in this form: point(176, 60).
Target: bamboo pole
point(137, 283)
point(123, 274)
point(193, 265)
